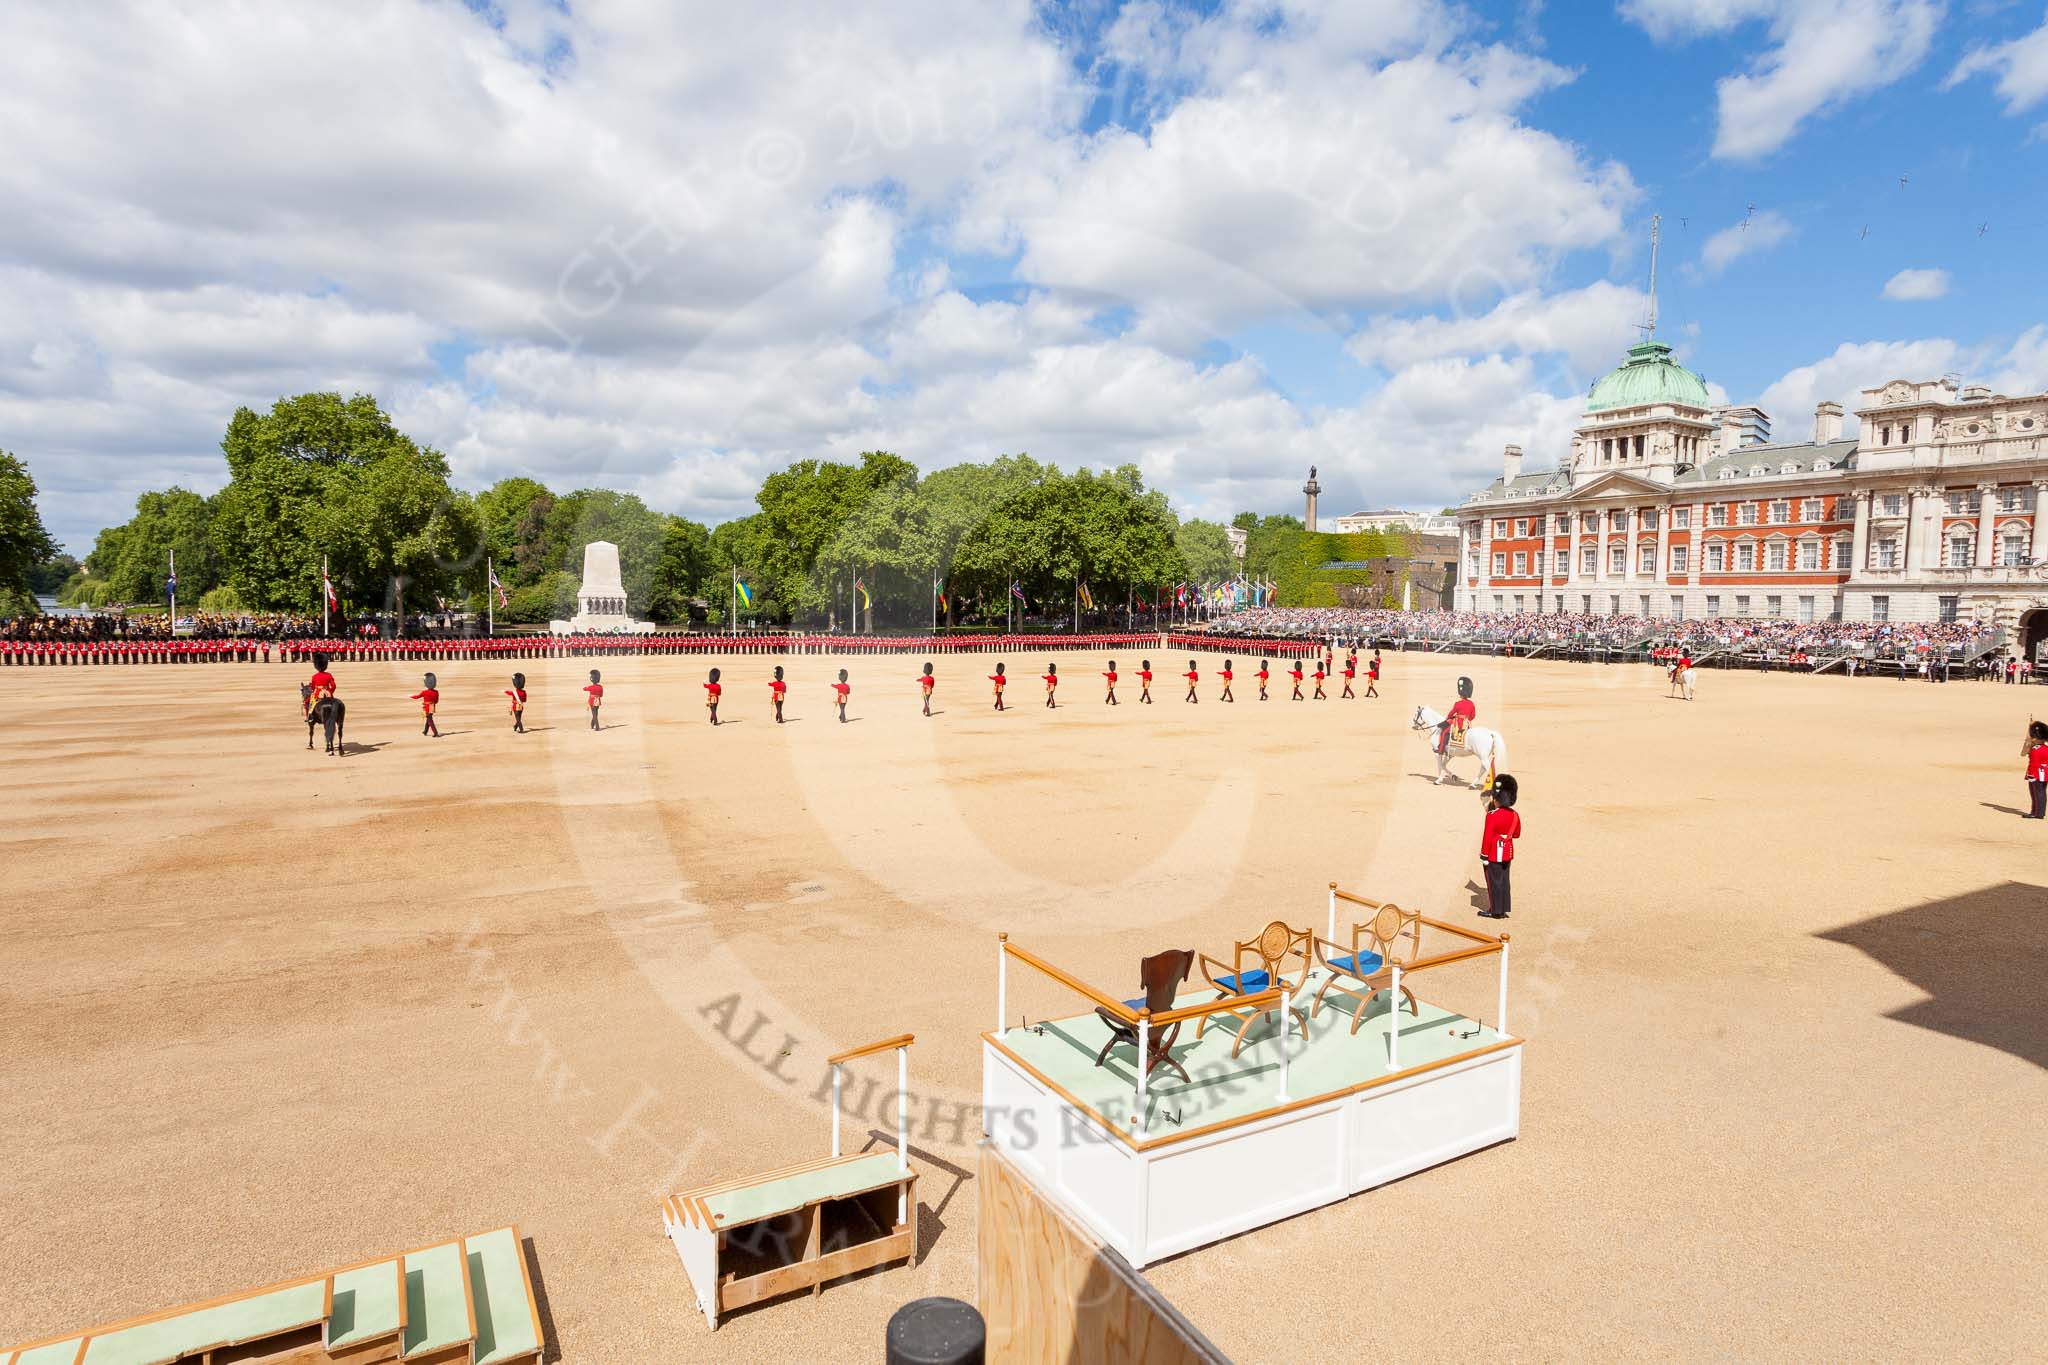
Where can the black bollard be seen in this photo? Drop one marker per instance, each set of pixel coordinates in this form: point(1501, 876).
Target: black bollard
point(936, 1332)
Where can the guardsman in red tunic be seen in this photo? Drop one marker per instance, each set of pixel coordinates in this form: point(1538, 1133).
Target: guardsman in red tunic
point(595, 693)
point(840, 691)
point(1497, 845)
point(1372, 674)
point(1000, 682)
point(925, 683)
point(322, 682)
point(1109, 699)
point(2037, 769)
point(1145, 681)
point(1295, 673)
point(1350, 672)
point(1319, 684)
point(1462, 714)
point(777, 690)
point(517, 693)
point(1051, 679)
point(1265, 672)
point(713, 690)
point(1193, 675)
point(1228, 674)
point(428, 697)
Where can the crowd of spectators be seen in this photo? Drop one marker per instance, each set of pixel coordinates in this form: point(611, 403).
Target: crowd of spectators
point(106, 626)
point(1767, 636)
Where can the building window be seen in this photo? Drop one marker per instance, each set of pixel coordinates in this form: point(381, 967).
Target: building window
point(1677, 607)
point(1500, 530)
point(1643, 606)
point(1959, 556)
point(1681, 518)
point(1806, 611)
point(1945, 608)
point(1781, 512)
point(1648, 519)
point(1538, 565)
point(1884, 434)
point(1964, 504)
point(1518, 604)
point(1774, 556)
point(1500, 564)
point(1522, 527)
point(1745, 514)
point(1646, 559)
point(1713, 605)
point(1810, 510)
point(1809, 555)
point(1745, 557)
point(1589, 521)
point(1774, 606)
point(1840, 559)
point(2012, 549)
point(1521, 563)
point(1717, 557)
point(1893, 505)
point(1589, 559)
point(1614, 604)
point(1884, 554)
point(1678, 559)
point(1717, 515)
point(1617, 520)
point(1585, 604)
point(2015, 499)
point(1617, 559)
point(1880, 608)
point(1742, 604)
point(1497, 604)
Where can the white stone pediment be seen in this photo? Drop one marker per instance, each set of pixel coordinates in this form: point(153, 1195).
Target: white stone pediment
point(1618, 485)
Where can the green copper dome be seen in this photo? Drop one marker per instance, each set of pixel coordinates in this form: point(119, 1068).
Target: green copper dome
point(1649, 375)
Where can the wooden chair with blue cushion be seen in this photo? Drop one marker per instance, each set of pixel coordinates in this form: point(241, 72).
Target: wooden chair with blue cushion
point(1160, 975)
point(1260, 964)
point(1370, 958)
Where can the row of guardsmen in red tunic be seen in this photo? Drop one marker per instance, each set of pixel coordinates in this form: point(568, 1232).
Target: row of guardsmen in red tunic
point(20, 653)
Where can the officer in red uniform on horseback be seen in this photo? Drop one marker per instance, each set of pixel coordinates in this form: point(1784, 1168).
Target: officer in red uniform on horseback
point(1462, 713)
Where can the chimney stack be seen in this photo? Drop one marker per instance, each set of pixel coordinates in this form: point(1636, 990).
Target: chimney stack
point(1510, 464)
point(1827, 422)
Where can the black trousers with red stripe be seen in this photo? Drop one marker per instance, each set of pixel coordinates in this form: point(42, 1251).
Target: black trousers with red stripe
point(1497, 893)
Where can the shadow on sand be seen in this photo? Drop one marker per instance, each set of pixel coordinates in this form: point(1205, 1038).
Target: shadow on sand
point(1980, 957)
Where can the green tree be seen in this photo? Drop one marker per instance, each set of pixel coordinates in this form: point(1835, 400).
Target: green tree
point(1245, 521)
point(576, 519)
point(506, 513)
point(48, 578)
point(683, 570)
point(1205, 546)
point(300, 486)
point(133, 559)
point(23, 542)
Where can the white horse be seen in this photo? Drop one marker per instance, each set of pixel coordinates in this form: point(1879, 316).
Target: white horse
point(1681, 682)
point(1481, 743)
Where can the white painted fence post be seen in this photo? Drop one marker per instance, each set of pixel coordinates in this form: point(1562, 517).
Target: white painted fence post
point(1331, 933)
point(1394, 1022)
point(835, 1108)
point(1286, 1017)
point(1144, 1043)
point(1002, 982)
point(1500, 1015)
point(902, 1129)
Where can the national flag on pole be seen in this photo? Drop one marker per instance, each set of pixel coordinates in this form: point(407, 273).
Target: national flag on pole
point(943, 601)
point(862, 589)
point(1141, 601)
point(1180, 594)
point(746, 593)
point(496, 587)
point(1017, 591)
point(1087, 598)
point(171, 583)
point(334, 603)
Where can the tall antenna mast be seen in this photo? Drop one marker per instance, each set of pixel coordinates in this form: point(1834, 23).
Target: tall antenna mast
point(1650, 328)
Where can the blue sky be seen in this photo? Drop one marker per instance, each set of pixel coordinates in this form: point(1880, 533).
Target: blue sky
point(671, 247)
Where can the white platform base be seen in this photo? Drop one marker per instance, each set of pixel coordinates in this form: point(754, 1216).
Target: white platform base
point(1167, 1195)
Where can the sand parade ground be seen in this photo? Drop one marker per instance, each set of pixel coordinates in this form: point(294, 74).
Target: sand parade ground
point(1779, 955)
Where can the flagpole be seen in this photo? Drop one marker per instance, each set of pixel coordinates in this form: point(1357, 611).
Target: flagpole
point(490, 595)
point(732, 625)
point(174, 590)
point(324, 580)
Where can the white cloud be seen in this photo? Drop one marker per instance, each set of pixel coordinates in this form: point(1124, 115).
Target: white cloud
point(1758, 232)
point(1824, 53)
point(1917, 285)
point(1590, 327)
point(2020, 366)
point(2019, 69)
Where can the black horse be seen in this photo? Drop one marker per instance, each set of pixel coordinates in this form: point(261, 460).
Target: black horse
point(328, 713)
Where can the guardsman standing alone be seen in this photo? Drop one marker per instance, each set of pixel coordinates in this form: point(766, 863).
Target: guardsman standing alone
point(2037, 769)
point(1497, 845)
